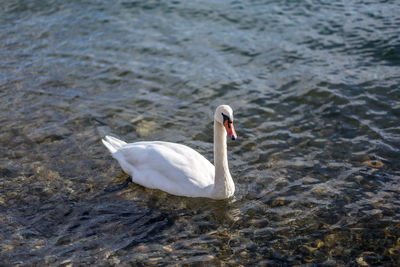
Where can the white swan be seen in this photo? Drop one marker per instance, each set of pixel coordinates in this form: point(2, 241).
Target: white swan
point(178, 169)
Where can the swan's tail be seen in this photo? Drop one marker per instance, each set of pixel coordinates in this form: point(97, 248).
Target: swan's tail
point(112, 143)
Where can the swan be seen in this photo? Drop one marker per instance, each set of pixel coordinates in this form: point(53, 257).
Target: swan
point(178, 169)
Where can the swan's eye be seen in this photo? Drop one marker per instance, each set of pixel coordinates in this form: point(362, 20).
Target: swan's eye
point(226, 118)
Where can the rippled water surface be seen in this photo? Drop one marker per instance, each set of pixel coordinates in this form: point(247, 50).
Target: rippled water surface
point(315, 86)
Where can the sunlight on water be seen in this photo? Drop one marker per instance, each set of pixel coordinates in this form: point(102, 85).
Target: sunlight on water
point(315, 89)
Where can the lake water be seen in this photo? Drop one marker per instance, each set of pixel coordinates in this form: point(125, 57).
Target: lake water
point(315, 87)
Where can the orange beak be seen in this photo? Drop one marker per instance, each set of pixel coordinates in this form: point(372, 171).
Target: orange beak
point(230, 130)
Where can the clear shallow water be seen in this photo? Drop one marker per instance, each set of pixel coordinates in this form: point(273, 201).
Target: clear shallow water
point(315, 89)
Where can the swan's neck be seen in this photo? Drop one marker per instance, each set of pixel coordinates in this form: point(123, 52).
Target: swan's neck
point(223, 184)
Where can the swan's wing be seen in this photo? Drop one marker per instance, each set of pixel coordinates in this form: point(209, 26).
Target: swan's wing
point(174, 168)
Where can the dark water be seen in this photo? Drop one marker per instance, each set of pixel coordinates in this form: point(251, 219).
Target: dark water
point(315, 86)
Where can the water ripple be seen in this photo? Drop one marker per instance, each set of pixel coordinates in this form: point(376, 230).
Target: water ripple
point(314, 86)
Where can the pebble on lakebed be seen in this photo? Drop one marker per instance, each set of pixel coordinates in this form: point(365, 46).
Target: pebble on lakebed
point(373, 164)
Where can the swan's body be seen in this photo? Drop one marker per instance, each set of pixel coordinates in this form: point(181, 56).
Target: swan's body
point(170, 167)
point(178, 169)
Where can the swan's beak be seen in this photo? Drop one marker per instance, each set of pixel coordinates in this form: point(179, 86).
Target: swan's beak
point(230, 130)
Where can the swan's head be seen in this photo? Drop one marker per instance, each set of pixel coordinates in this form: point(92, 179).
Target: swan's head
point(224, 115)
